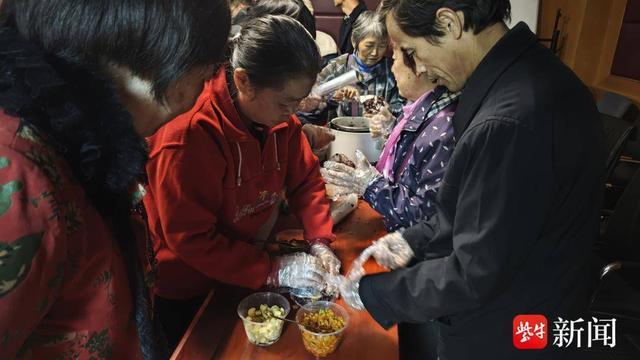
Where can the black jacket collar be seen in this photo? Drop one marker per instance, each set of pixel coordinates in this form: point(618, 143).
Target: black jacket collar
point(506, 51)
point(347, 24)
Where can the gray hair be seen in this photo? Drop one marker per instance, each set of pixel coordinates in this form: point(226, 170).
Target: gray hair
point(367, 25)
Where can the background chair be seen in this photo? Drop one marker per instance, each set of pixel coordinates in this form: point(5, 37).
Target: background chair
point(617, 292)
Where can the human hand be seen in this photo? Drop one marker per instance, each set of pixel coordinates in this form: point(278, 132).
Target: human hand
point(392, 251)
point(311, 103)
point(319, 137)
point(348, 180)
point(381, 123)
point(346, 93)
point(350, 291)
point(297, 271)
point(329, 261)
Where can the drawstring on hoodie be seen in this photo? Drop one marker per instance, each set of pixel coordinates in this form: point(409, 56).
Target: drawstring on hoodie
point(275, 141)
point(239, 176)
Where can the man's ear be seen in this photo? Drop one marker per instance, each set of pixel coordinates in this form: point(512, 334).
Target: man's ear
point(243, 83)
point(450, 22)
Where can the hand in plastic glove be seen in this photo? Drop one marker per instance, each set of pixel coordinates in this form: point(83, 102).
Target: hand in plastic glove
point(346, 93)
point(297, 271)
point(347, 179)
point(392, 251)
point(329, 261)
point(327, 258)
point(381, 124)
point(349, 290)
point(319, 136)
point(312, 103)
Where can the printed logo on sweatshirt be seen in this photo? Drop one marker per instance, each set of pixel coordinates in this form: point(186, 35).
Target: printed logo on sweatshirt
point(265, 200)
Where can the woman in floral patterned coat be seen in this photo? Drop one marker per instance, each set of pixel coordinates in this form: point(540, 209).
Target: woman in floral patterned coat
point(404, 184)
point(80, 84)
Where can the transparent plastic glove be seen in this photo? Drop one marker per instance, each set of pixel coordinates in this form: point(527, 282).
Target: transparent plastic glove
point(381, 124)
point(357, 266)
point(347, 179)
point(328, 259)
point(319, 136)
point(330, 263)
point(392, 251)
point(297, 271)
point(349, 290)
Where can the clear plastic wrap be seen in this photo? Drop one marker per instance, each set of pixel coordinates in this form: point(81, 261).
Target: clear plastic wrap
point(349, 78)
point(298, 270)
point(348, 180)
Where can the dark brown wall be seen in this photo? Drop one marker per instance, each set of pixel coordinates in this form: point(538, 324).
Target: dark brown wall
point(626, 61)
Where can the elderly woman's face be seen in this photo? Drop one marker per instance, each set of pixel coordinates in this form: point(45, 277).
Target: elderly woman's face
point(371, 50)
point(410, 85)
point(443, 63)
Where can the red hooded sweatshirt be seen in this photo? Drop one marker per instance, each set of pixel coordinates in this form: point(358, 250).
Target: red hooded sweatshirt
point(212, 187)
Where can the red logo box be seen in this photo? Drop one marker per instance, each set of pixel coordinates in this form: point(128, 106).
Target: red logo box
point(530, 332)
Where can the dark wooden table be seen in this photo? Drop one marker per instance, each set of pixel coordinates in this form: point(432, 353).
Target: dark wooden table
point(217, 333)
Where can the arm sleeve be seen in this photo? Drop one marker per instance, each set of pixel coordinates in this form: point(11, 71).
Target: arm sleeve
point(33, 249)
point(188, 197)
point(305, 188)
point(505, 170)
point(405, 204)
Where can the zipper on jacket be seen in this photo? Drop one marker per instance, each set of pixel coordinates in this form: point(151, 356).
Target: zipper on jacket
point(239, 172)
point(275, 141)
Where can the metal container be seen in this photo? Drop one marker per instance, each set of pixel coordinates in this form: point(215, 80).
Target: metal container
point(352, 133)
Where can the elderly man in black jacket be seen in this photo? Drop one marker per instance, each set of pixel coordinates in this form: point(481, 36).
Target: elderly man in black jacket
point(518, 209)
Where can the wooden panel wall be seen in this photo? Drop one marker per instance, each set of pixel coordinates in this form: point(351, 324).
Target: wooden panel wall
point(589, 36)
point(626, 61)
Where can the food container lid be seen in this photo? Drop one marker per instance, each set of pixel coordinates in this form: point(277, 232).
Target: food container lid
point(354, 124)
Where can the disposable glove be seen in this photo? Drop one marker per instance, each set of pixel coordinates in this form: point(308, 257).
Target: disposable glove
point(349, 290)
point(348, 180)
point(329, 262)
point(392, 251)
point(297, 271)
point(381, 124)
point(327, 258)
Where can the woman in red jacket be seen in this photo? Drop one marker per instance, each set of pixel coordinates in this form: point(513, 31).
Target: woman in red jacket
point(217, 173)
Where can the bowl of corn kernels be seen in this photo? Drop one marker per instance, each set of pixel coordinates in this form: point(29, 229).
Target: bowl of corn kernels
point(322, 325)
point(261, 314)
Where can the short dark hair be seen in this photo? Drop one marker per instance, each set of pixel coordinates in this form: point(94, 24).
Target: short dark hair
point(293, 8)
point(273, 49)
point(158, 40)
point(418, 17)
point(368, 24)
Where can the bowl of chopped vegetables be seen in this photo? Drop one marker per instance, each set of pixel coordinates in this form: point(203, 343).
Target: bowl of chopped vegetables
point(261, 314)
point(322, 325)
